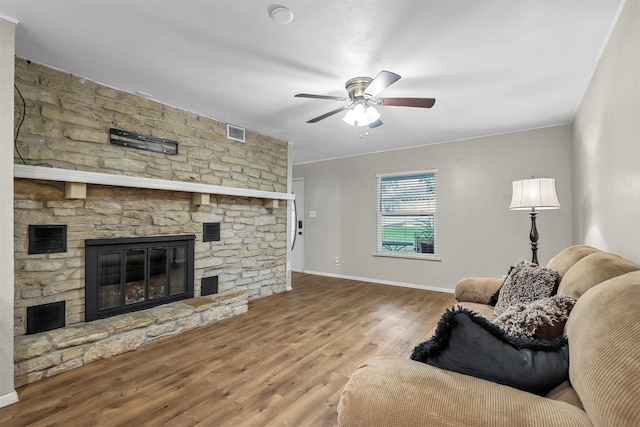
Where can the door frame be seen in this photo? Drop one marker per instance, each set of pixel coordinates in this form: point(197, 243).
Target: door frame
point(298, 246)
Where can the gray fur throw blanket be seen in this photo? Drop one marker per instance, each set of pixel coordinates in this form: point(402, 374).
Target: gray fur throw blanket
point(523, 320)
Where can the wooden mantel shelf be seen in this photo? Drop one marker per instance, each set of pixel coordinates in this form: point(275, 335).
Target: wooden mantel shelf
point(82, 177)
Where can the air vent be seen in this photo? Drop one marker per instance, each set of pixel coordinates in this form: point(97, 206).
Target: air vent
point(211, 232)
point(47, 239)
point(45, 317)
point(209, 285)
point(235, 133)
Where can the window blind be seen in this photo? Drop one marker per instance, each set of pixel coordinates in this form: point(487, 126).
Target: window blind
point(406, 210)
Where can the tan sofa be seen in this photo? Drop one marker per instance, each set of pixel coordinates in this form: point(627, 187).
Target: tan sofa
point(604, 363)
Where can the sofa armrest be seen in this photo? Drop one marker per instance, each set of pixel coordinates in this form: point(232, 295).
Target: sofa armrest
point(401, 392)
point(477, 289)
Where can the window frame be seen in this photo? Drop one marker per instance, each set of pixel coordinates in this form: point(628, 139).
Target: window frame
point(380, 214)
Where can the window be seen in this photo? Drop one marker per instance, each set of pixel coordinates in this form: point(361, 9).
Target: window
point(406, 209)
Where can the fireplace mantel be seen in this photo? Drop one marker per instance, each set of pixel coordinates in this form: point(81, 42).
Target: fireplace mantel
point(97, 178)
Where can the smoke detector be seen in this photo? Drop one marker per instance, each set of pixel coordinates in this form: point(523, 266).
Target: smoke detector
point(280, 14)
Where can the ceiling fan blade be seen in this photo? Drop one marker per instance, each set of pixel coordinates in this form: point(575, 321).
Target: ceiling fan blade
point(383, 80)
point(330, 113)
point(333, 98)
point(408, 102)
point(376, 124)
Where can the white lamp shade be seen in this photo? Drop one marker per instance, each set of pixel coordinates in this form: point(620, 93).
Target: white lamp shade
point(534, 193)
point(356, 116)
point(372, 115)
point(349, 117)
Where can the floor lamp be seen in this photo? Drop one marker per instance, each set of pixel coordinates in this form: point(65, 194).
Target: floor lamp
point(533, 195)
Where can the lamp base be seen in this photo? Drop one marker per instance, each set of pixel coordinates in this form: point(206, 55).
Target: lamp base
point(533, 236)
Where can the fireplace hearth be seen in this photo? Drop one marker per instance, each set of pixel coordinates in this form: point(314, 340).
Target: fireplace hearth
point(135, 273)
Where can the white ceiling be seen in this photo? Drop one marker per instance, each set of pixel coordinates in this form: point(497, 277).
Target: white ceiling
point(494, 66)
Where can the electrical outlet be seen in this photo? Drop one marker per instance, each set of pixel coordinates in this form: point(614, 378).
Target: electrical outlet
point(337, 260)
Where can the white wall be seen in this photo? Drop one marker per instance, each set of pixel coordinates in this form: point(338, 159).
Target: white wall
point(478, 234)
point(606, 146)
point(7, 49)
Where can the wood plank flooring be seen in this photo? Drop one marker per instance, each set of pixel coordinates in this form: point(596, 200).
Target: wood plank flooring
point(284, 363)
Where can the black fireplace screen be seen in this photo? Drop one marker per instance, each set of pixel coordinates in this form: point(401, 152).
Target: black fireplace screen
point(129, 274)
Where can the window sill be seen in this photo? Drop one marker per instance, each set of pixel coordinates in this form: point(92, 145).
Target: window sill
point(406, 255)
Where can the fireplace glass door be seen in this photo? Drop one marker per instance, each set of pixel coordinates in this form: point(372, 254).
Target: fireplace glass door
point(137, 274)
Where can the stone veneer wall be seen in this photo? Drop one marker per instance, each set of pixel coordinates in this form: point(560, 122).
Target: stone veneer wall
point(250, 255)
point(66, 125)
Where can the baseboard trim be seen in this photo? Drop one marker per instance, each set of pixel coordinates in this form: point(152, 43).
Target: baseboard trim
point(8, 399)
point(383, 282)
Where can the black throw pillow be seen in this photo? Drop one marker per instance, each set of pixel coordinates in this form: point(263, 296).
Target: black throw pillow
point(467, 343)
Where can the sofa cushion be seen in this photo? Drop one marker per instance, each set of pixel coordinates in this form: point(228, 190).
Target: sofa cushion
point(398, 392)
point(467, 343)
point(604, 332)
point(483, 310)
point(566, 393)
point(527, 284)
point(591, 270)
point(566, 258)
point(543, 318)
point(477, 289)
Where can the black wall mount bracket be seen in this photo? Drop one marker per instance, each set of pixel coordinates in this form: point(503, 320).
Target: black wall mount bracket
point(143, 142)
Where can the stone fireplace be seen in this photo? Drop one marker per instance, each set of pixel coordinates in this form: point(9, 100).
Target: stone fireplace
point(100, 192)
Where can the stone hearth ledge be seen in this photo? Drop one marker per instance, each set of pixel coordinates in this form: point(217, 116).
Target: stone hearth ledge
point(48, 353)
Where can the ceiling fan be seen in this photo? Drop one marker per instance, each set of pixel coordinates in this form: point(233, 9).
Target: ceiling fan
point(362, 100)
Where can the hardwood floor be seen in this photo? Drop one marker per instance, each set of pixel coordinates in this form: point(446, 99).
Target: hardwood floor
point(284, 363)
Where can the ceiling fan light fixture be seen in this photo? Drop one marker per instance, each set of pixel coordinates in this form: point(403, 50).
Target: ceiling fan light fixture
point(361, 115)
